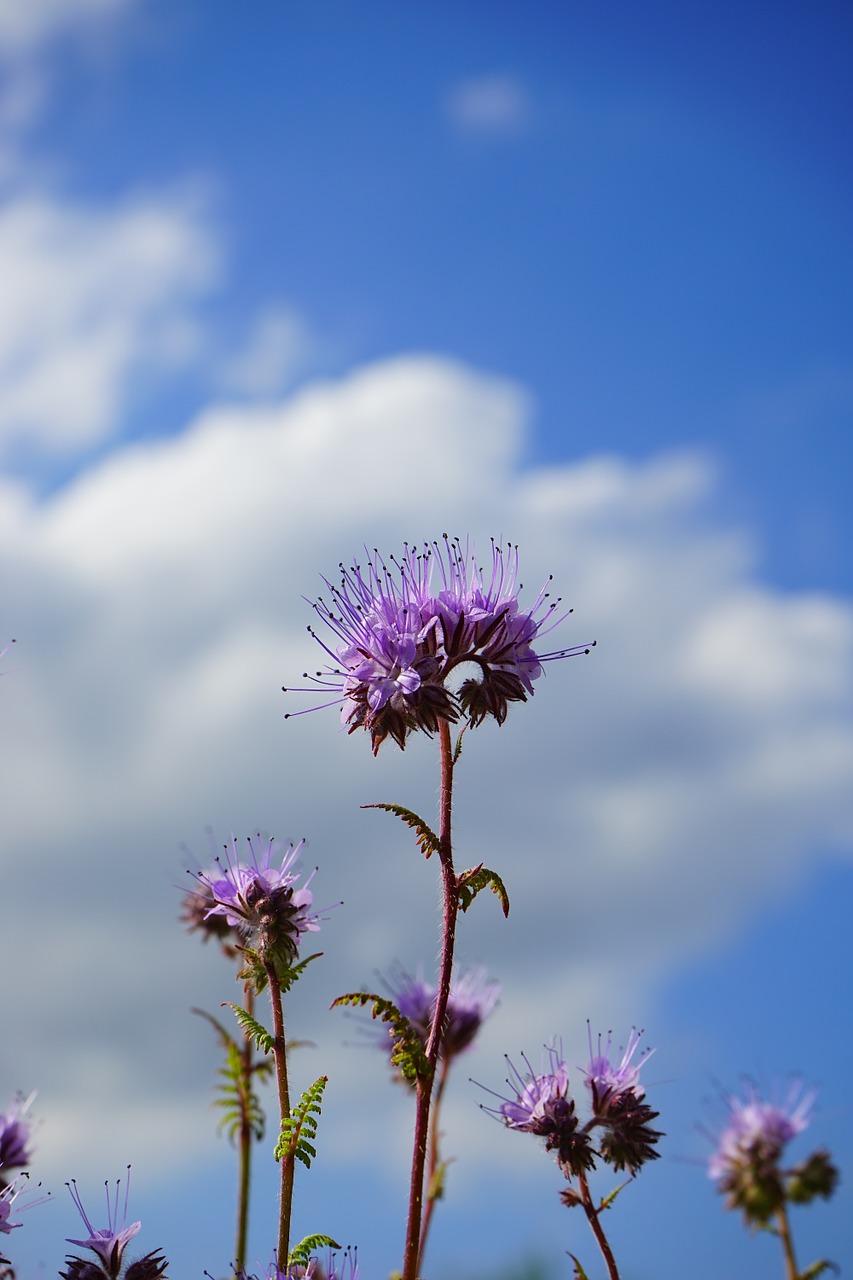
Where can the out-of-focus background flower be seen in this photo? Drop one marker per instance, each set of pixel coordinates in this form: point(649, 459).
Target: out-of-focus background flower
point(284, 280)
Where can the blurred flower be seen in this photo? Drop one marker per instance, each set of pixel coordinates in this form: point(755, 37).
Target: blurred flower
point(400, 640)
point(472, 998)
point(760, 1130)
point(257, 897)
point(15, 1135)
point(746, 1163)
point(345, 1268)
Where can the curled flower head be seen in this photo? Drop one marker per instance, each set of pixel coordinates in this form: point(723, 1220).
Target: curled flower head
point(109, 1243)
point(626, 1139)
point(541, 1105)
point(403, 627)
point(472, 998)
point(259, 898)
point(15, 1134)
point(607, 1080)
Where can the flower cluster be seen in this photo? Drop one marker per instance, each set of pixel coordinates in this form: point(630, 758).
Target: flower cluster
point(260, 899)
point(15, 1135)
point(618, 1131)
point(108, 1245)
point(401, 635)
point(746, 1163)
point(473, 996)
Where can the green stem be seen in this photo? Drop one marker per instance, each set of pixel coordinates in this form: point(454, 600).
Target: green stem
point(784, 1228)
point(245, 1149)
point(593, 1217)
point(433, 1046)
point(287, 1164)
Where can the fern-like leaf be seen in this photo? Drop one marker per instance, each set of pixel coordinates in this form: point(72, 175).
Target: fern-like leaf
point(240, 1105)
point(288, 976)
point(300, 1253)
point(580, 1274)
point(299, 1129)
point(407, 1052)
point(608, 1199)
point(253, 1029)
point(470, 883)
point(426, 837)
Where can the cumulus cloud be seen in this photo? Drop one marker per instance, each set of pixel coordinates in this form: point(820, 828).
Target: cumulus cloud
point(694, 760)
point(91, 299)
point(495, 105)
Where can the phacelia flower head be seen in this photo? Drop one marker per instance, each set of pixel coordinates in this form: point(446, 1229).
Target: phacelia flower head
point(760, 1130)
point(15, 1134)
point(260, 898)
point(405, 626)
point(109, 1243)
point(625, 1137)
point(473, 996)
point(541, 1105)
point(746, 1164)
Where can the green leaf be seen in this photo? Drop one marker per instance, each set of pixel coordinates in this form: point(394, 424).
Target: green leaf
point(435, 1189)
point(299, 1129)
point(426, 837)
point(457, 750)
point(580, 1274)
point(252, 1029)
point(470, 882)
point(608, 1199)
point(818, 1268)
point(289, 974)
point(300, 1253)
point(407, 1052)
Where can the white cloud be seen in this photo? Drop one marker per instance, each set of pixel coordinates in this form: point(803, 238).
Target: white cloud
point(692, 762)
point(92, 298)
point(26, 25)
point(276, 351)
point(495, 105)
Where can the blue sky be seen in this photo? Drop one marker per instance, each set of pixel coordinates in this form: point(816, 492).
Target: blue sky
point(281, 284)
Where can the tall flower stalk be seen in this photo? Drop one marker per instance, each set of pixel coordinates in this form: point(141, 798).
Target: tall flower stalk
point(403, 627)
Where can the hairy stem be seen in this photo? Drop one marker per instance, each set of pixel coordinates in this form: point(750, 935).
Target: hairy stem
point(784, 1229)
point(433, 1046)
point(593, 1217)
point(434, 1159)
point(245, 1147)
point(287, 1164)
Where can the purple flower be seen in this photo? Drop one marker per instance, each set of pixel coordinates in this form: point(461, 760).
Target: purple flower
point(8, 1195)
point(607, 1081)
point(759, 1130)
point(542, 1106)
point(15, 1135)
point(400, 637)
point(345, 1268)
point(257, 897)
point(109, 1243)
point(472, 998)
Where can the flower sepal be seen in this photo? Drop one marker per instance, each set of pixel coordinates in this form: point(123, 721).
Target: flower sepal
point(816, 1176)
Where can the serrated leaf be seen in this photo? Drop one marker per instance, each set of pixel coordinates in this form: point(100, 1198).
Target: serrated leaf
point(299, 1129)
point(427, 839)
point(470, 882)
point(580, 1274)
point(407, 1052)
point(300, 1253)
point(253, 1029)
